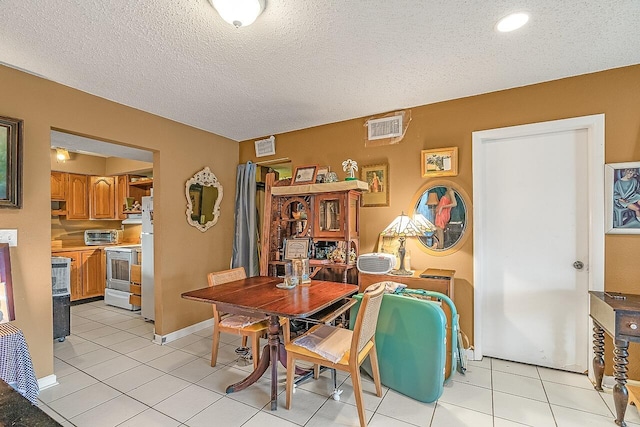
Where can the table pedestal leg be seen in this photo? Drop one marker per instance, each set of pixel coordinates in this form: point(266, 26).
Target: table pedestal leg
point(598, 359)
point(620, 393)
point(274, 347)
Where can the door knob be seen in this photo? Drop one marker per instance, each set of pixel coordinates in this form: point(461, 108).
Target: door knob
point(578, 265)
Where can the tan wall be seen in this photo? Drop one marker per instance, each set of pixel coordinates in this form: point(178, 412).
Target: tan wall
point(79, 163)
point(614, 92)
point(184, 255)
point(117, 166)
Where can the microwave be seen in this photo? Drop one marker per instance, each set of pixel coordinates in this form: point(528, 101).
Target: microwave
point(102, 237)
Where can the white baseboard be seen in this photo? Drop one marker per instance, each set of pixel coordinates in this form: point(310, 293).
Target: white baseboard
point(470, 354)
point(48, 381)
point(164, 339)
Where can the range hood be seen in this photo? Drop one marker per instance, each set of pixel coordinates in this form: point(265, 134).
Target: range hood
point(133, 219)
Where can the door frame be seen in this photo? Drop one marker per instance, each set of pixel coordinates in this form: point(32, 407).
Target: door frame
point(594, 125)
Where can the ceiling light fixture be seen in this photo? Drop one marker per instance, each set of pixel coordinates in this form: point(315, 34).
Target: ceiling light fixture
point(239, 13)
point(512, 22)
point(62, 155)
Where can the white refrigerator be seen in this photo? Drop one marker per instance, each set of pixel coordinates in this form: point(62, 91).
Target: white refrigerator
point(148, 300)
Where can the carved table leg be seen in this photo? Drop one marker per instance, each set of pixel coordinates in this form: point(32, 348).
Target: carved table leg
point(274, 346)
point(620, 393)
point(598, 359)
point(255, 375)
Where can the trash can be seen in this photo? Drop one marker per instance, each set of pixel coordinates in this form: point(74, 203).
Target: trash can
point(61, 290)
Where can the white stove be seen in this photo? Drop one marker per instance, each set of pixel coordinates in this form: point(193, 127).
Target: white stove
point(118, 268)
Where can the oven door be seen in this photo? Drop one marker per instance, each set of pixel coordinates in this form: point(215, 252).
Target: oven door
point(118, 269)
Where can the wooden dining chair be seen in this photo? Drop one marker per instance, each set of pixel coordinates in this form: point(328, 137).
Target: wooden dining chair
point(354, 346)
point(223, 321)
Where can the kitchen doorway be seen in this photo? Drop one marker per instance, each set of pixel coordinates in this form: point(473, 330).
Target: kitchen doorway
point(538, 240)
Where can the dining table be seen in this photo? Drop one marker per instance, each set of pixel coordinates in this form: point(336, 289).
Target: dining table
point(259, 296)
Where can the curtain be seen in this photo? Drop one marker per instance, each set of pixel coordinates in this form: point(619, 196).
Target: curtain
point(245, 242)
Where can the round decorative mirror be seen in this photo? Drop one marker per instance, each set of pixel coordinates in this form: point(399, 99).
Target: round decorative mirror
point(442, 208)
point(204, 194)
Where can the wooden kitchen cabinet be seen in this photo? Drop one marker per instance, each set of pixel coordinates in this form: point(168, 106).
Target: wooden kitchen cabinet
point(59, 186)
point(122, 192)
point(132, 186)
point(93, 274)
point(102, 196)
point(87, 275)
point(77, 197)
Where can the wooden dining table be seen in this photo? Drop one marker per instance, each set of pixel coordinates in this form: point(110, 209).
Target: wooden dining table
point(258, 296)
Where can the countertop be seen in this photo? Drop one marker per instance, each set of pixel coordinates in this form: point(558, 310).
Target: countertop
point(80, 247)
point(18, 411)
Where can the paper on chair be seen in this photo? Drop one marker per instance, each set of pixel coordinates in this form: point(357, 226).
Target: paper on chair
point(327, 341)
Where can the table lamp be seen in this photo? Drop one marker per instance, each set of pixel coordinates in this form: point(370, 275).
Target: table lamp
point(402, 227)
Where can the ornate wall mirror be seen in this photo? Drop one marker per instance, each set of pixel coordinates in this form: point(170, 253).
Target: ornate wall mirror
point(204, 194)
point(447, 207)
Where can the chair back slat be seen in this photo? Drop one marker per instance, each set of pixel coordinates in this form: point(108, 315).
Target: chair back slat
point(367, 319)
point(220, 277)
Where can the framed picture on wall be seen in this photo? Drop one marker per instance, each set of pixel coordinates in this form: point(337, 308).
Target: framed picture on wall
point(377, 176)
point(439, 162)
point(10, 163)
point(7, 312)
point(622, 193)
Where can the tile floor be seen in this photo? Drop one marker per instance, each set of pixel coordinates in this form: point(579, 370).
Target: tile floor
point(111, 374)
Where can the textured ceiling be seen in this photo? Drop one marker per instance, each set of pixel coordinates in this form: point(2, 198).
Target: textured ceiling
point(306, 63)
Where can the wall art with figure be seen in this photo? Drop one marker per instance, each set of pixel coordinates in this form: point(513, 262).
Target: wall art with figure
point(622, 187)
point(377, 176)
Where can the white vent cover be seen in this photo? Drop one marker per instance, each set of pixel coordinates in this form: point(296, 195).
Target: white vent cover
point(386, 127)
point(266, 147)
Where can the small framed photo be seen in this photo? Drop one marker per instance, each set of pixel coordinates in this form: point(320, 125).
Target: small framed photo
point(304, 175)
point(296, 248)
point(7, 313)
point(377, 176)
point(622, 203)
point(321, 176)
point(11, 134)
point(439, 162)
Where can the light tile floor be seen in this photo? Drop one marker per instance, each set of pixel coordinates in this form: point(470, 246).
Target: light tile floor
point(111, 374)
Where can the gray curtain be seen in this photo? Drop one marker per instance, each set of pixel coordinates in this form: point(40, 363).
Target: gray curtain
point(245, 242)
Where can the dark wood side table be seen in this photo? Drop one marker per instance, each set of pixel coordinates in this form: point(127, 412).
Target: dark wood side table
point(619, 316)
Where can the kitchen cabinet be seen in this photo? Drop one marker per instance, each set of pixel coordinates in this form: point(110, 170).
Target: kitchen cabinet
point(87, 275)
point(58, 186)
point(77, 197)
point(133, 186)
point(102, 196)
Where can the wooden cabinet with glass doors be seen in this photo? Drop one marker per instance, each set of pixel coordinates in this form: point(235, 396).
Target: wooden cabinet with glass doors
point(323, 219)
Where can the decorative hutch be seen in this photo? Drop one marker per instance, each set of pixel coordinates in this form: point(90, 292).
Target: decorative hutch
point(319, 221)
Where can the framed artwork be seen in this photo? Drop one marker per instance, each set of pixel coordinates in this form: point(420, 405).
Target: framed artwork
point(10, 163)
point(439, 162)
point(321, 175)
point(304, 175)
point(622, 203)
point(377, 176)
point(296, 248)
point(7, 313)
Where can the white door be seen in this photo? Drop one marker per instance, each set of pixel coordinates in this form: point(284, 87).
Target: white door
point(533, 205)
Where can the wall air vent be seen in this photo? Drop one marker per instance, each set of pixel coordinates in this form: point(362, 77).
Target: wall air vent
point(386, 127)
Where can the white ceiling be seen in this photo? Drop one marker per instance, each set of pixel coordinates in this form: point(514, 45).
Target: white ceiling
point(80, 144)
point(305, 63)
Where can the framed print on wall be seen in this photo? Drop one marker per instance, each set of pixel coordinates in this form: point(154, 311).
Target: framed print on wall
point(304, 175)
point(377, 176)
point(622, 192)
point(439, 162)
point(10, 163)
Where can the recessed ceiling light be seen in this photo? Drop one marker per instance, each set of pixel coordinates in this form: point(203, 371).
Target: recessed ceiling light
point(512, 22)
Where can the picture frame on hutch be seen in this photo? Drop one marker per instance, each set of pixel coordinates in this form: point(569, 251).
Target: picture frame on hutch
point(304, 175)
point(11, 135)
point(377, 176)
point(622, 198)
point(439, 162)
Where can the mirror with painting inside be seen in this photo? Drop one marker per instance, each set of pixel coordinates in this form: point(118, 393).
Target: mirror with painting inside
point(204, 194)
point(442, 208)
